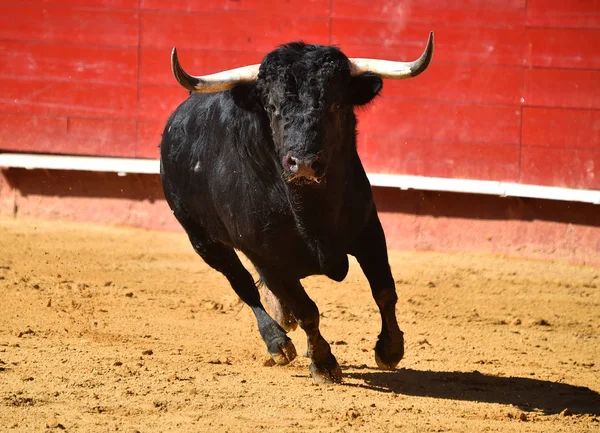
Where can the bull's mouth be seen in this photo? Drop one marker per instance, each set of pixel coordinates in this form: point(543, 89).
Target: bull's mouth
point(306, 180)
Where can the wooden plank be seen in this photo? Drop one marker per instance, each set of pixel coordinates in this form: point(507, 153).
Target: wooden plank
point(461, 83)
point(90, 147)
point(31, 133)
point(68, 25)
point(559, 48)
point(43, 97)
point(20, 22)
point(573, 168)
point(441, 122)
point(453, 44)
point(156, 103)
point(52, 134)
point(475, 12)
point(297, 8)
point(386, 154)
point(155, 64)
point(148, 139)
point(562, 88)
point(565, 128)
point(579, 14)
point(101, 137)
point(105, 4)
point(64, 62)
point(223, 31)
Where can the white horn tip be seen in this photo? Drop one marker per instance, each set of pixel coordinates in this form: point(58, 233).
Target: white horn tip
point(423, 62)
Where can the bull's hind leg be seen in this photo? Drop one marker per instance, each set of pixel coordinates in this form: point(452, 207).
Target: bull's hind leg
point(225, 260)
point(324, 367)
point(371, 252)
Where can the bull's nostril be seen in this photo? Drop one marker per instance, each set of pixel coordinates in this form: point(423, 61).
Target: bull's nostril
point(291, 163)
point(309, 168)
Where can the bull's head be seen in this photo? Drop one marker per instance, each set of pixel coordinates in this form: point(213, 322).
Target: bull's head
point(308, 93)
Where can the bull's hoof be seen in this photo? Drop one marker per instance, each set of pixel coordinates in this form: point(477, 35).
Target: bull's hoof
point(282, 351)
point(330, 372)
point(388, 354)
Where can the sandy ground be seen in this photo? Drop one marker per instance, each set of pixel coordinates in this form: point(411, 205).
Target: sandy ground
point(118, 329)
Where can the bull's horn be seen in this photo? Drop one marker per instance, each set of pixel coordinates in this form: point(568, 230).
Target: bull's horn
point(394, 70)
point(215, 82)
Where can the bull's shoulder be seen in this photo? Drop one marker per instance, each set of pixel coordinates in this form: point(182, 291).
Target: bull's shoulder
point(211, 127)
point(215, 155)
point(207, 116)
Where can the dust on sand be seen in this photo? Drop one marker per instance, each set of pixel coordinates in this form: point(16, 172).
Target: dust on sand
point(106, 329)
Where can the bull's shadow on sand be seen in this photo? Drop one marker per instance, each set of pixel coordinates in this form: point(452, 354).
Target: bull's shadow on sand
point(528, 394)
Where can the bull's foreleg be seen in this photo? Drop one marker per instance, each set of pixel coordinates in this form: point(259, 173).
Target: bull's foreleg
point(225, 260)
point(278, 310)
point(371, 252)
point(324, 367)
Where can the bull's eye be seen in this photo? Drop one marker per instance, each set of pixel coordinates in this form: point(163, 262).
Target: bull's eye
point(336, 106)
point(273, 111)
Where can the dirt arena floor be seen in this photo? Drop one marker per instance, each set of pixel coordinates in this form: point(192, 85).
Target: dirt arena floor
point(119, 329)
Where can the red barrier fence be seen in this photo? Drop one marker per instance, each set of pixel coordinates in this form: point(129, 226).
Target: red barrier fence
point(513, 93)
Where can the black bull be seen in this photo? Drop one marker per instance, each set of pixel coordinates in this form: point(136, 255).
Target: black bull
point(270, 168)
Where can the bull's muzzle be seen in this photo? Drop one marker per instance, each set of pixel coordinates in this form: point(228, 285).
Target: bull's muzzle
point(308, 169)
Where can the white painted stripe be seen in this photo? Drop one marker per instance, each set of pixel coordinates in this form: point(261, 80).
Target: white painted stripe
point(503, 189)
point(79, 163)
point(152, 166)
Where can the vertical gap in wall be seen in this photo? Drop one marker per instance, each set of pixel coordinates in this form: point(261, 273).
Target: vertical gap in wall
point(330, 21)
point(520, 175)
point(522, 98)
point(139, 74)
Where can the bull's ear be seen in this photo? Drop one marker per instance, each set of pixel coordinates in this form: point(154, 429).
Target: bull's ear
point(364, 88)
point(247, 97)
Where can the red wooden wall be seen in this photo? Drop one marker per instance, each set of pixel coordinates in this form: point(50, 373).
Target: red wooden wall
point(513, 93)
